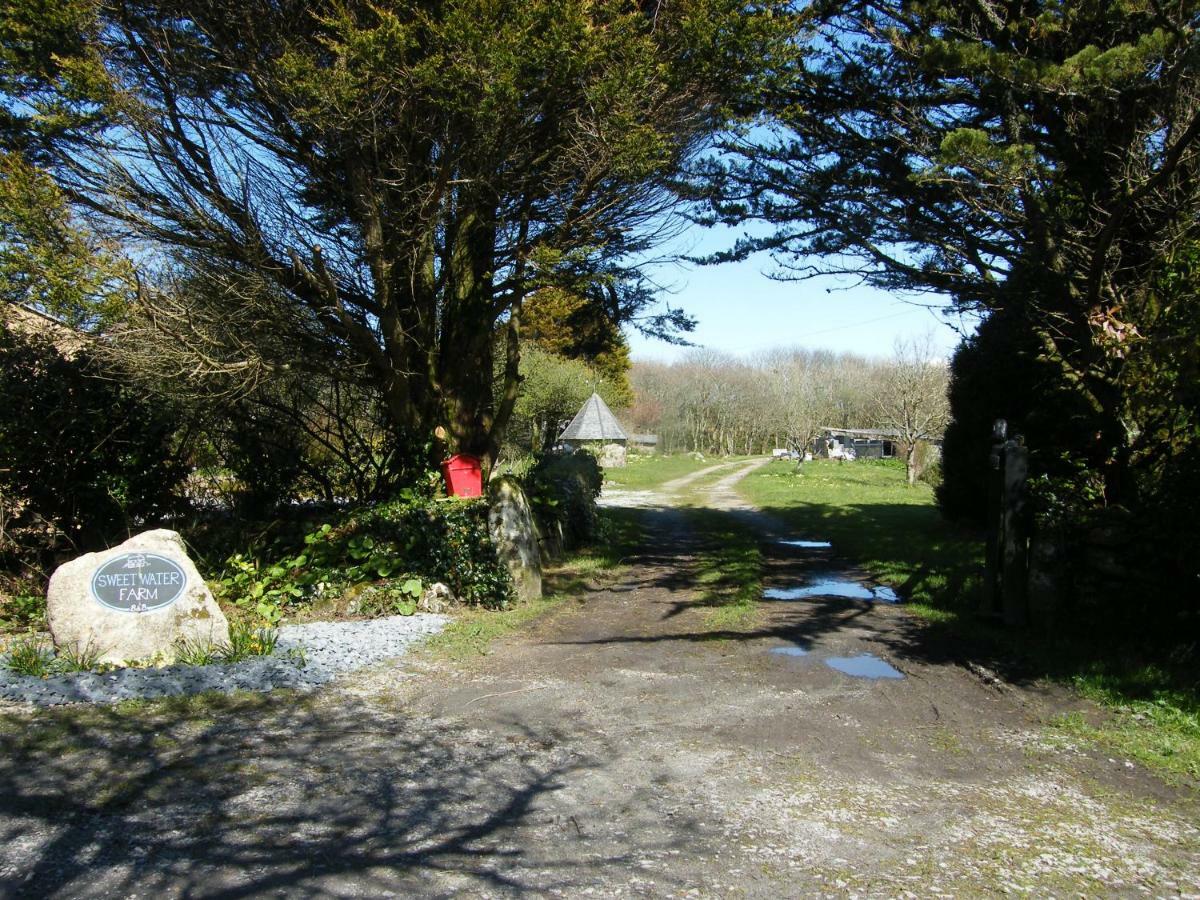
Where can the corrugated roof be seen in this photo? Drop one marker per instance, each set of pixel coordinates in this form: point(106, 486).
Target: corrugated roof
point(865, 432)
point(594, 422)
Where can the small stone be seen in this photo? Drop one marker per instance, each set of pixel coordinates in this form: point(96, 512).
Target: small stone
point(437, 598)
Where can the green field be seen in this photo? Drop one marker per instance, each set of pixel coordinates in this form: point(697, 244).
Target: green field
point(650, 471)
point(880, 523)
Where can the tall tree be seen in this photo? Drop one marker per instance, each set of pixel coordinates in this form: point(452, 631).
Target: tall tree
point(52, 92)
point(1034, 156)
point(553, 388)
point(371, 190)
point(913, 399)
point(569, 325)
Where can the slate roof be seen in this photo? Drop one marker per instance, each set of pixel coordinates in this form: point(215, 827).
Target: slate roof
point(594, 422)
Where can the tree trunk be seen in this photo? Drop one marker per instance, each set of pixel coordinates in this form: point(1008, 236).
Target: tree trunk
point(467, 342)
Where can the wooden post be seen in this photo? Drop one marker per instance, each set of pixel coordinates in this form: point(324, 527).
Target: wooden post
point(1014, 578)
point(993, 562)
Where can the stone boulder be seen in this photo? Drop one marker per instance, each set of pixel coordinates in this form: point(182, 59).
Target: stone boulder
point(134, 602)
point(612, 456)
point(510, 520)
point(437, 598)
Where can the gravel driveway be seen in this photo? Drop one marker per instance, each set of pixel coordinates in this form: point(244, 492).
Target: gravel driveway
point(616, 747)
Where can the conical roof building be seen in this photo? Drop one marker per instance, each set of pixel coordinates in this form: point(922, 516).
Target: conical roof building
point(594, 422)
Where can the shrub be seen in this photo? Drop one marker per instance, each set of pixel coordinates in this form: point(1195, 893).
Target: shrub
point(998, 374)
point(245, 641)
point(563, 488)
point(1117, 550)
point(265, 453)
point(81, 456)
point(397, 545)
point(196, 652)
point(395, 598)
point(22, 606)
point(78, 658)
point(932, 475)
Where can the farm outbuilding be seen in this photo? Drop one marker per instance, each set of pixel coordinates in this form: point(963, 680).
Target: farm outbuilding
point(28, 322)
point(595, 427)
point(645, 442)
point(867, 443)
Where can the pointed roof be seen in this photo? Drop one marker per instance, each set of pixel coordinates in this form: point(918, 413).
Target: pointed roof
point(594, 422)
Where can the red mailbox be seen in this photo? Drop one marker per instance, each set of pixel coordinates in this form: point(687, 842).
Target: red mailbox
point(464, 476)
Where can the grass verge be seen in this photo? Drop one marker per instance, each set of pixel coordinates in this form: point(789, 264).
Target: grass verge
point(1152, 722)
point(728, 571)
point(473, 631)
point(65, 729)
point(873, 517)
point(731, 583)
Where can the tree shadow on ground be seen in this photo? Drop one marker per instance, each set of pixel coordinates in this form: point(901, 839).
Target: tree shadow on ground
point(923, 557)
point(926, 559)
point(231, 797)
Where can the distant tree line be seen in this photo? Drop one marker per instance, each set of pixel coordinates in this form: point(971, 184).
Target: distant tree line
point(717, 403)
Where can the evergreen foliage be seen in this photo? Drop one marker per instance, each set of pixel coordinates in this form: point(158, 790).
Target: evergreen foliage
point(567, 325)
point(997, 374)
point(1039, 159)
point(369, 192)
point(82, 457)
point(1038, 162)
point(398, 547)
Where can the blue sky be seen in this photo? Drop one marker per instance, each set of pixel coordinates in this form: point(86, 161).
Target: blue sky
point(740, 310)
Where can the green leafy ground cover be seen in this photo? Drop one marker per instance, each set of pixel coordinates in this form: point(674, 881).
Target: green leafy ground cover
point(379, 559)
point(896, 534)
point(618, 535)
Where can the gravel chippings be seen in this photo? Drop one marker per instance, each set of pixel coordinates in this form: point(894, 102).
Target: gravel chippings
point(305, 657)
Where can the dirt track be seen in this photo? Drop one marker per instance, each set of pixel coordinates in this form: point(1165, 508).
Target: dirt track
point(617, 747)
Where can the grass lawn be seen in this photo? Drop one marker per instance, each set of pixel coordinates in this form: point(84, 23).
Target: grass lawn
point(876, 520)
point(643, 472)
point(895, 533)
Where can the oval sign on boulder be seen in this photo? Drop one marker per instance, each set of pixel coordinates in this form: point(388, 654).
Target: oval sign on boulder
point(135, 602)
point(138, 582)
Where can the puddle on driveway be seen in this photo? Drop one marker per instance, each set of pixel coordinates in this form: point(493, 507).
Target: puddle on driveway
point(789, 651)
point(865, 666)
point(834, 587)
point(808, 545)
